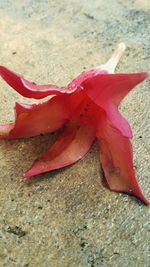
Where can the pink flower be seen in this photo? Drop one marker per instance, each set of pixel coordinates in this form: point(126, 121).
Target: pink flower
point(86, 109)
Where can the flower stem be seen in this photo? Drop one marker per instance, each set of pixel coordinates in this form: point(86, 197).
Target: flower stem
point(111, 64)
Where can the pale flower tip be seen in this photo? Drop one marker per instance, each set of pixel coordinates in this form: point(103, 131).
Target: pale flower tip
point(25, 176)
point(111, 64)
point(147, 75)
point(143, 75)
point(122, 46)
point(117, 54)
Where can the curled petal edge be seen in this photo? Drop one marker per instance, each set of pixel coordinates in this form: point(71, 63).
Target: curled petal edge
point(35, 119)
point(30, 89)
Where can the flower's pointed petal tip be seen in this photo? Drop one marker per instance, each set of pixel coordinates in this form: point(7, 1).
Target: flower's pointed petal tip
point(28, 174)
point(138, 194)
point(24, 177)
point(141, 197)
point(133, 190)
point(35, 169)
point(142, 76)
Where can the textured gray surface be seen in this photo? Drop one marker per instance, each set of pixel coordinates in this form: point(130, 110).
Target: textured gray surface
point(67, 217)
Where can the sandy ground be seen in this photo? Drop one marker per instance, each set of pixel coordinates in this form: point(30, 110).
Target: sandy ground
point(67, 218)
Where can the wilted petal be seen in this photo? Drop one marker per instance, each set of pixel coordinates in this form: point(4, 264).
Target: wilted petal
point(108, 90)
point(30, 89)
point(71, 146)
point(117, 162)
point(118, 120)
point(34, 119)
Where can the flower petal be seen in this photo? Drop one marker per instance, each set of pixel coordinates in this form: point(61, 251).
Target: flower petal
point(34, 119)
point(117, 162)
point(107, 91)
point(118, 120)
point(71, 146)
point(30, 89)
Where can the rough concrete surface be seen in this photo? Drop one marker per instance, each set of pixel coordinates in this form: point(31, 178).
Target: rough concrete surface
point(68, 218)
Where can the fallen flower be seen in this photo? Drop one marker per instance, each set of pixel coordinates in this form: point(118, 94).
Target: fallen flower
point(86, 109)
